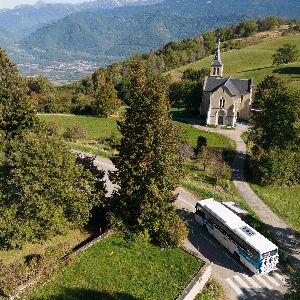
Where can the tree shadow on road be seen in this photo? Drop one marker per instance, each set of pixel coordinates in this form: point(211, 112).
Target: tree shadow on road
point(262, 294)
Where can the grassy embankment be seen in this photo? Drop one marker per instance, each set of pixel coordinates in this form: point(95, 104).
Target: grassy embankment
point(119, 269)
point(253, 62)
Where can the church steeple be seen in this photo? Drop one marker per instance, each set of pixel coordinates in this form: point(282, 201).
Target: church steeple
point(217, 65)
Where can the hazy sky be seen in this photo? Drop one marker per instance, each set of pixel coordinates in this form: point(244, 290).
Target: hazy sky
point(13, 3)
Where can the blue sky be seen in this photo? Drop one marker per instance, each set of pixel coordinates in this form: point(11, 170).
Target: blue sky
point(13, 3)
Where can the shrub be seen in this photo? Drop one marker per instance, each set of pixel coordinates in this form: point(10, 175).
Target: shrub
point(74, 133)
point(276, 167)
point(44, 192)
point(15, 274)
point(53, 129)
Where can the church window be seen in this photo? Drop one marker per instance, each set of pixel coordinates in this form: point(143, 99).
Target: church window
point(218, 71)
point(214, 71)
point(242, 98)
point(222, 103)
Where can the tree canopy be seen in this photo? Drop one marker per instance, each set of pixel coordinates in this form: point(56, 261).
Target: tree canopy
point(286, 54)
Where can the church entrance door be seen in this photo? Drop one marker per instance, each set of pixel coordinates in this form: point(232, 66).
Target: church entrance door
point(220, 120)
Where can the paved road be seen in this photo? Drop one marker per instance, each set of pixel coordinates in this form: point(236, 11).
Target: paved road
point(237, 281)
point(288, 238)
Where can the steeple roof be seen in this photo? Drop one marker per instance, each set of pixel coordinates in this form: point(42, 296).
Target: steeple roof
point(218, 61)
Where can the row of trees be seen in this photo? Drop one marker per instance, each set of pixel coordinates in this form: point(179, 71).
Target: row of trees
point(275, 134)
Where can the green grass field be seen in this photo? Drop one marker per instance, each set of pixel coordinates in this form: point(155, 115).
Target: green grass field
point(96, 127)
point(253, 62)
point(284, 201)
point(119, 269)
point(104, 127)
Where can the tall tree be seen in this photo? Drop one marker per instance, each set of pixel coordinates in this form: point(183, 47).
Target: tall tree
point(276, 123)
point(148, 164)
point(16, 113)
point(106, 100)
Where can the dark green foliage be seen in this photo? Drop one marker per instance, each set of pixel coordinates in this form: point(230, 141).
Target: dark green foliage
point(16, 114)
point(195, 75)
point(268, 23)
point(106, 101)
point(294, 285)
point(286, 54)
point(209, 41)
point(275, 134)
point(40, 85)
point(44, 191)
point(274, 125)
point(277, 167)
point(148, 164)
point(247, 28)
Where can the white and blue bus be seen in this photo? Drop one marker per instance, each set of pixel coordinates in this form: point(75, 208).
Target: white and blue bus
point(246, 244)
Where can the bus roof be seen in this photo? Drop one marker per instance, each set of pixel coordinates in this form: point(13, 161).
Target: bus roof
point(238, 226)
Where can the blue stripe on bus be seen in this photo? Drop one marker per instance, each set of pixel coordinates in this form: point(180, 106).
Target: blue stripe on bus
point(249, 259)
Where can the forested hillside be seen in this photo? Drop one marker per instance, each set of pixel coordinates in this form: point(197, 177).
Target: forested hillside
point(109, 35)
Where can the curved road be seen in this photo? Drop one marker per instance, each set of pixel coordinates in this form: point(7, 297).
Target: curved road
point(237, 281)
point(288, 238)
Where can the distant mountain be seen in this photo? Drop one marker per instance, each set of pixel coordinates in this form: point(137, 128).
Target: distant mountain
point(111, 34)
point(25, 19)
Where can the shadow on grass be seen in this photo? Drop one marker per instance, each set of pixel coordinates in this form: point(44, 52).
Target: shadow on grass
point(183, 113)
point(256, 69)
point(87, 294)
point(288, 71)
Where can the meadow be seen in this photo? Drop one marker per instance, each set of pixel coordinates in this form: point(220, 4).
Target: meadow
point(116, 268)
point(284, 201)
point(253, 62)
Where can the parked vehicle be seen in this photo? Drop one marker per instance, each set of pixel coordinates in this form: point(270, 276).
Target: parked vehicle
point(246, 244)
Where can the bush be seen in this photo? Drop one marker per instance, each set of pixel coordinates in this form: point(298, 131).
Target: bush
point(15, 274)
point(44, 192)
point(276, 167)
point(74, 133)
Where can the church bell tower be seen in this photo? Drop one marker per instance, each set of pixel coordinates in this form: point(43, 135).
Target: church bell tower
point(217, 65)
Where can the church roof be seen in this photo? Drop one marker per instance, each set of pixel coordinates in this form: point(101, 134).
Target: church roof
point(234, 86)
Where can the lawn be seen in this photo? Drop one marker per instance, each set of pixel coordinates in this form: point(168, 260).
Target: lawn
point(72, 239)
point(96, 127)
point(253, 62)
point(118, 269)
point(105, 127)
point(211, 291)
point(284, 201)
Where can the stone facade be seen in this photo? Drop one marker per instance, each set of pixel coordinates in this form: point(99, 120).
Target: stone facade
point(225, 100)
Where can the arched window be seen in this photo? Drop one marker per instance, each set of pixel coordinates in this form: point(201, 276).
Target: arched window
point(222, 103)
point(214, 71)
point(218, 71)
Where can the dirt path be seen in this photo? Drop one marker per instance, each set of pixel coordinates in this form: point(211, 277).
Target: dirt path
point(288, 238)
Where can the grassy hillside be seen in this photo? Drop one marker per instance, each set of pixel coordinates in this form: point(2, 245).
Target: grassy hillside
point(118, 269)
point(253, 62)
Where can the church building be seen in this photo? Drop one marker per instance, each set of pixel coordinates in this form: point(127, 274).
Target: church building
point(225, 99)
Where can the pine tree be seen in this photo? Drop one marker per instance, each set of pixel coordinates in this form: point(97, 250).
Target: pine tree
point(106, 100)
point(16, 114)
point(148, 164)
